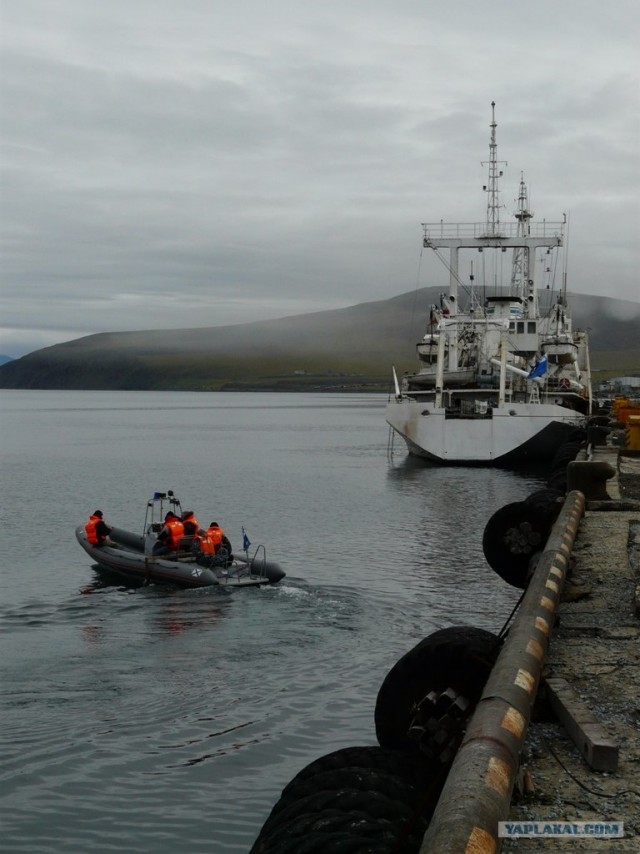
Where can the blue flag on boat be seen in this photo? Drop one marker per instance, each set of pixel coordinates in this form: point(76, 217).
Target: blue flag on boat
point(158, 495)
point(538, 369)
point(246, 542)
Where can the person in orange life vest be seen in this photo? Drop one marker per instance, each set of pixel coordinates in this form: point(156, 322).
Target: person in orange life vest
point(216, 535)
point(169, 536)
point(203, 547)
point(191, 526)
point(97, 529)
point(210, 542)
point(220, 541)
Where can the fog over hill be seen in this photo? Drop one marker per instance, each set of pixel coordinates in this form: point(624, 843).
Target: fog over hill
point(356, 343)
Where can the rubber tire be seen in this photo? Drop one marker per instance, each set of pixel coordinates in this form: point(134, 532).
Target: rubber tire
point(558, 480)
point(413, 768)
point(328, 806)
point(512, 565)
point(548, 501)
point(565, 454)
point(460, 657)
point(352, 765)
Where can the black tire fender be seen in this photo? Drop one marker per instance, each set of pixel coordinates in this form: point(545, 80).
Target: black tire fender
point(511, 538)
point(459, 657)
point(354, 800)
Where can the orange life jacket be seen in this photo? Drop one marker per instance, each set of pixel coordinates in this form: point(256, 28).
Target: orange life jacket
point(191, 520)
point(204, 544)
point(90, 528)
point(176, 531)
point(209, 541)
point(215, 534)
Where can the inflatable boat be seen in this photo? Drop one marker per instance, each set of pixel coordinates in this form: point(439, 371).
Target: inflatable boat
point(134, 556)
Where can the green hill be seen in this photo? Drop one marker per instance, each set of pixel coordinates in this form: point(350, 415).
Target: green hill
point(348, 348)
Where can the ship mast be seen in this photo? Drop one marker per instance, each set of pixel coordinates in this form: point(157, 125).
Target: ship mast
point(521, 236)
point(520, 266)
point(492, 187)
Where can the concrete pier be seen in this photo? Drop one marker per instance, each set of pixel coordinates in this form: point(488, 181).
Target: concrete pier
point(594, 661)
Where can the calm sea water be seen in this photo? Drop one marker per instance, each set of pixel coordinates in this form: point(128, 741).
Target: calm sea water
point(163, 720)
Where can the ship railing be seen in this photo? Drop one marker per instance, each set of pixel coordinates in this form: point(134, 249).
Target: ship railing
point(478, 230)
point(257, 565)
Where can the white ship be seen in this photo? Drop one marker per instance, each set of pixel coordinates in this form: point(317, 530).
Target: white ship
point(499, 377)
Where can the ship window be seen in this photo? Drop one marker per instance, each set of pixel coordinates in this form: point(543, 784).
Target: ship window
point(531, 326)
point(512, 326)
point(521, 326)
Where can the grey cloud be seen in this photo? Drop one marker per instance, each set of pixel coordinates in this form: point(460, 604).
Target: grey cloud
point(169, 164)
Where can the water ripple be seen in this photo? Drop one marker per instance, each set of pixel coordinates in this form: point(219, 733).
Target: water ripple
point(154, 721)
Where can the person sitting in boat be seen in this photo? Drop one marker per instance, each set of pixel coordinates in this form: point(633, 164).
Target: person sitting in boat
point(191, 526)
point(97, 529)
point(222, 544)
point(169, 536)
point(207, 544)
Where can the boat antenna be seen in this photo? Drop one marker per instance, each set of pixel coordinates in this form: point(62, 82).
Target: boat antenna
point(520, 280)
point(565, 260)
point(491, 188)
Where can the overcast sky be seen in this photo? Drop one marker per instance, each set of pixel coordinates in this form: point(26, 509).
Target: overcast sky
point(171, 163)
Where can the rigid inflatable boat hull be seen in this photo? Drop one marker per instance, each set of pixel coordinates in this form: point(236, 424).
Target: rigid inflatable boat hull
point(127, 558)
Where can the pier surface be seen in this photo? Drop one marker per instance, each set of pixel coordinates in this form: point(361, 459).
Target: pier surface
point(592, 674)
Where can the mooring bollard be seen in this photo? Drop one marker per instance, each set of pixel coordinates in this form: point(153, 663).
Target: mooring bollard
point(590, 477)
point(477, 793)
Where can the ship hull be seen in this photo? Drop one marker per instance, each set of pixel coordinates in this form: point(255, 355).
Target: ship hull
point(507, 434)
